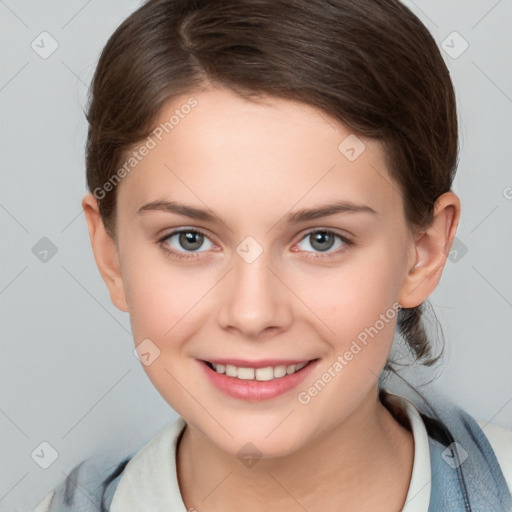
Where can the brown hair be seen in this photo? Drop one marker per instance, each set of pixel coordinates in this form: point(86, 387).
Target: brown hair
point(371, 64)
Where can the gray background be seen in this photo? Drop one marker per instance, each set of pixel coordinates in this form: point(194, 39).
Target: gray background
point(68, 374)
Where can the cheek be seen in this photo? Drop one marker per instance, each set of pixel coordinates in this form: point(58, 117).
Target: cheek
point(358, 305)
point(163, 299)
point(358, 292)
point(158, 292)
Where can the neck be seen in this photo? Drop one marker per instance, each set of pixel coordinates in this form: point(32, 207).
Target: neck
point(370, 450)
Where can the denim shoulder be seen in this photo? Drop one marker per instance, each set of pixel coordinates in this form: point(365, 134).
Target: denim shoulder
point(89, 487)
point(466, 473)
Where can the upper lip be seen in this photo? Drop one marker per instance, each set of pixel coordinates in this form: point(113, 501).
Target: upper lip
point(262, 363)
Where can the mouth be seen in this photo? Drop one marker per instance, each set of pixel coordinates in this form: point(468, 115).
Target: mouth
point(256, 380)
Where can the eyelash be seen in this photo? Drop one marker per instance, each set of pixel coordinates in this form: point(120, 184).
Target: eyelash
point(193, 255)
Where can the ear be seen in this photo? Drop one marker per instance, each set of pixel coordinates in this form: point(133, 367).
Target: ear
point(432, 247)
point(105, 252)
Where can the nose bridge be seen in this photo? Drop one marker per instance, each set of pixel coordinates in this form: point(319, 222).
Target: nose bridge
point(254, 299)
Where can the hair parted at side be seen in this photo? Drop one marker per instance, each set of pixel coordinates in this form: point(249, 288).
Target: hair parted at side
point(371, 64)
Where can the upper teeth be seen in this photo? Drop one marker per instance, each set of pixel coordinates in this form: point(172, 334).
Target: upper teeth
point(268, 373)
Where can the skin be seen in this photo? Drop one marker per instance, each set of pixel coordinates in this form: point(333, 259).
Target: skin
point(251, 164)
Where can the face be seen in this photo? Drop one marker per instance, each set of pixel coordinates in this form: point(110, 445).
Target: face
point(246, 278)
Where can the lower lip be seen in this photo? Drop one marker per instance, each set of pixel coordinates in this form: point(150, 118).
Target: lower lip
point(255, 389)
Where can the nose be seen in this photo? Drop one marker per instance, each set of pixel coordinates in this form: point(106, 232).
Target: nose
point(254, 299)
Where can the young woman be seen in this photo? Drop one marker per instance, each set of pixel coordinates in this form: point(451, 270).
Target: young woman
point(270, 201)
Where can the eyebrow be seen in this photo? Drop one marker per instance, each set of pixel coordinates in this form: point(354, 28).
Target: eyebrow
point(296, 217)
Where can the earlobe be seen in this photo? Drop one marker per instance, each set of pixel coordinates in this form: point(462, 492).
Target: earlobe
point(431, 247)
point(105, 252)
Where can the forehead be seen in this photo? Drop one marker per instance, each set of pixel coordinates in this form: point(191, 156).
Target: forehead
point(234, 154)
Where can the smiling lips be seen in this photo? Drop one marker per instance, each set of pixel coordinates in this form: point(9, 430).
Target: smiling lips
point(262, 380)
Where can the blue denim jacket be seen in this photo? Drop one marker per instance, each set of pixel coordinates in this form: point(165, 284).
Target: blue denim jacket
point(472, 482)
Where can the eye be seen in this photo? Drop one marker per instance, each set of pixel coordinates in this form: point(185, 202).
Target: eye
point(323, 240)
point(181, 241)
point(185, 243)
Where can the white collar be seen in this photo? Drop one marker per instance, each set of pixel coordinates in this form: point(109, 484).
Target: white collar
point(150, 482)
point(418, 495)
